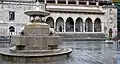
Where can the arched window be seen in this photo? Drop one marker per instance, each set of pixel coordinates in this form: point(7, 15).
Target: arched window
point(97, 25)
point(79, 25)
point(50, 1)
point(88, 25)
point(61, 1)
point(59, 24)
point(69, 25)
point(50, 21)
point(11, 29)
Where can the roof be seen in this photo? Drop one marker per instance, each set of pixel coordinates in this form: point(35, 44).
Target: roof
point(73, 8)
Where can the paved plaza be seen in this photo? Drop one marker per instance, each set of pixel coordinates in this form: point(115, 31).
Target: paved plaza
point(84, 52)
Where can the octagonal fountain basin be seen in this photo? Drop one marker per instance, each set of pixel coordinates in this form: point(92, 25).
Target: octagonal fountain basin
point(36, 43)
point(34, 55)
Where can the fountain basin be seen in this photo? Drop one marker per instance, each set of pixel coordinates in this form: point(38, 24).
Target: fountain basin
point(35, 12)
point(36, 42)
point(13, 49)
point(34, 57)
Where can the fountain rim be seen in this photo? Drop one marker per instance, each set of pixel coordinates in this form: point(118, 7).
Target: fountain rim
point(63, 52)
point(37, 13)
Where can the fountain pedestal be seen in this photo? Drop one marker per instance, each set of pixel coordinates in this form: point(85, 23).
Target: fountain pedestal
point(36, 42)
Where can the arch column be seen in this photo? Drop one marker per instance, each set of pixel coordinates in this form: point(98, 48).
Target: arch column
point(56, 1)
point(74, 27)
point(64, 27)
point(66, 1)
point(83, 26)
point(77, 2)
point(93, 27)
point(54, 25)
point(45, 1)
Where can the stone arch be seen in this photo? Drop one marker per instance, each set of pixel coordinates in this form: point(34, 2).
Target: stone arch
point(69, 25)
point(88, 25)
point(59, 24)
point(79, 25)
point(97, 25)
point(50, 21)
point(11, 30)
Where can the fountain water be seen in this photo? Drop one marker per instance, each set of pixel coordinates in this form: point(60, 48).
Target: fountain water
point(36, 42)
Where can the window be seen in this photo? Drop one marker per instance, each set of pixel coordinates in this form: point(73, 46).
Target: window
point(11, 15)
point(11, 29)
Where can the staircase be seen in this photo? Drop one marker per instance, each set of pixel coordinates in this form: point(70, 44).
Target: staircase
point(82, 36)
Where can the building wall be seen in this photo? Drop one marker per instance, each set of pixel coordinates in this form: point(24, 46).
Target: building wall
point(117, 4)
point(21, 19)
point(111, 20)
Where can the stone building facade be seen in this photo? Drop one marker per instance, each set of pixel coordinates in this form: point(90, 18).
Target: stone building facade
point(64, 18)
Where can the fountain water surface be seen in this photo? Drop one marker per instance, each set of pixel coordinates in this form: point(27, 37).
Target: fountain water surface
point(36, 42)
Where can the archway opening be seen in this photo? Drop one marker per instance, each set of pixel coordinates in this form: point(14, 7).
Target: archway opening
point(88, 25)
point(69, 25)
point(79, 25)
point(50, 21)
point(97, 25)
point(110, 33)
point(11, 30)
point(60, 25)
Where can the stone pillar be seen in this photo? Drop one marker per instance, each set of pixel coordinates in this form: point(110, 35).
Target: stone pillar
point(93, 27)
point(54, 25)
point(64, 26)
point(56, 1)
point(102, 27)
point(97, 3)
point(77, 2)
point(87, 2)
point(45, 1)
point(74, 27)
point(66, 1)
point(83, 26)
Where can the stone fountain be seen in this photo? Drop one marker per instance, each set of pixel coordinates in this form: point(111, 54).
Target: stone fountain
point(36, 42)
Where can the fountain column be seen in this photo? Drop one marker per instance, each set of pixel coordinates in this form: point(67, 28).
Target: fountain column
point(37, 43)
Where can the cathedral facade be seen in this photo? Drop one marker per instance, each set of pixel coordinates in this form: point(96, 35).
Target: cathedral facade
point(71, 16)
